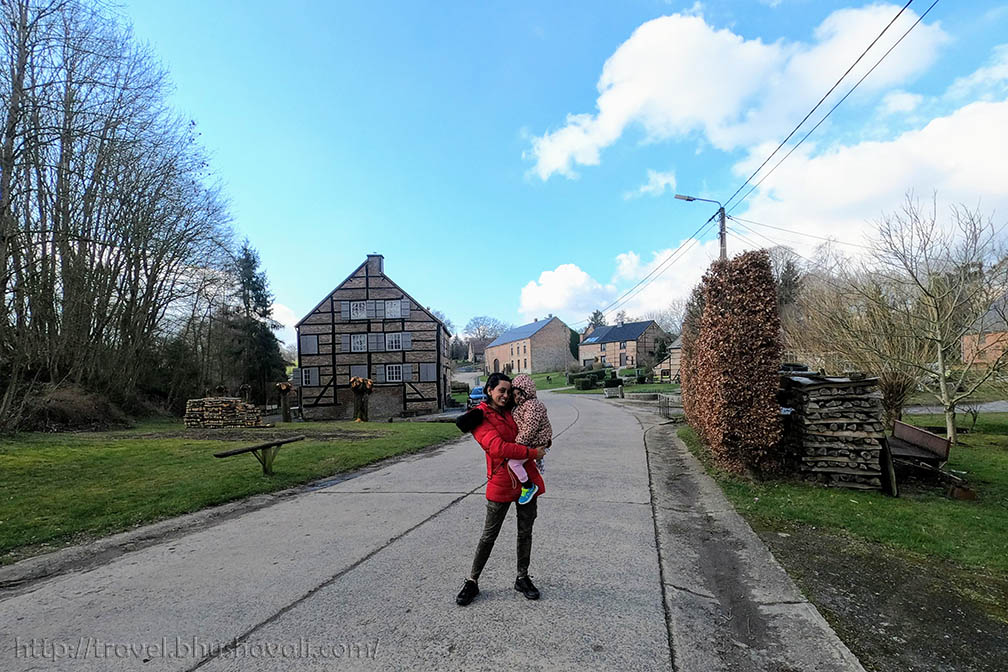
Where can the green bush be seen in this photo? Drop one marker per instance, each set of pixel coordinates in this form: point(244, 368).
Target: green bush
point(459, 387)
point(584, 384)
point(611, 382)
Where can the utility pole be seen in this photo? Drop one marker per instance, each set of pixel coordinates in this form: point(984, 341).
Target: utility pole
point(724, 237)
point(721, 215)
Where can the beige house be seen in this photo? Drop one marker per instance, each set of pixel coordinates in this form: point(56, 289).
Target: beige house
point(370, 327)
point(543, 345)
point(668, 368)
point(620, 344)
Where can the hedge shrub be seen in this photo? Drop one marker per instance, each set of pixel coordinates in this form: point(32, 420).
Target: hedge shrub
point(731, 358)
point(584, 384)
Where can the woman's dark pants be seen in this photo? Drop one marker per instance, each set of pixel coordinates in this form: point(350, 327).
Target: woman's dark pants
point(496, 512)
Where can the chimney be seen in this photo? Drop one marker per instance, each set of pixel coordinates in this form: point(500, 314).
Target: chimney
point(551, 316)
point(535, 319)
point(620, 323)
point(375, 264)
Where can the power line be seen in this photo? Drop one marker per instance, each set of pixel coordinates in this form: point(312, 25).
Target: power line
point(798, 233)
point(682, 247)
point(689, 244)
point(819, 123)
point(821, 100)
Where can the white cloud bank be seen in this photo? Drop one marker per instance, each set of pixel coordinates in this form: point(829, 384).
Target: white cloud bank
point(677, 75)
point(286, 317)
point(657, 184)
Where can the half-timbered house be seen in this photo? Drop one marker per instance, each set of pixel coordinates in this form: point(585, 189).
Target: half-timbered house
point(370, 327)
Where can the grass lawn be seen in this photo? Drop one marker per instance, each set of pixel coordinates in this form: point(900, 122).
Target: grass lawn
point(571, 390)
point(663, 388)
point(557, 379)
point(64, 488)
point(984, 394)
point(921, 521)
point(460, 397)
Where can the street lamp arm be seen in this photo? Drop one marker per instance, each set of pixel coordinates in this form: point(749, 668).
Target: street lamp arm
point(721, 214)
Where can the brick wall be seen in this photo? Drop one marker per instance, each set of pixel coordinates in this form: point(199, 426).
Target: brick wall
point(550, 348)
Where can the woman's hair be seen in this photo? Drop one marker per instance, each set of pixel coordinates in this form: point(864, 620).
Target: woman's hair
point(494, 380)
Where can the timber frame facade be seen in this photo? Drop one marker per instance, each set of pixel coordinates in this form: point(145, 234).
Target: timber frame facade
point(370, 327)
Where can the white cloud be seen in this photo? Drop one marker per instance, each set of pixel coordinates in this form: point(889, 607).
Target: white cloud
point(677, 75)
point(843, 190)
point(286, 317)
point(566, 290)
point(656, 185)
point(896, 102)
point(986, 80)
point(572, 294)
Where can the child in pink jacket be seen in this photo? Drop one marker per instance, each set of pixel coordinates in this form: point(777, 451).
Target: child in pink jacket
point(534, 429)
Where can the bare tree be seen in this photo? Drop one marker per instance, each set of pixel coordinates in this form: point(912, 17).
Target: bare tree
point(483, 326)
point(670, 317)
point(905, 311)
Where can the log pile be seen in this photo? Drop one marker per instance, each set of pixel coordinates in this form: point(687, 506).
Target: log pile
point(220, 413)
point(835, 429)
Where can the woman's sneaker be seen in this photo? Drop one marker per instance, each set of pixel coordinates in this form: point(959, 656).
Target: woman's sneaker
point(469, 591)
point(528, 493)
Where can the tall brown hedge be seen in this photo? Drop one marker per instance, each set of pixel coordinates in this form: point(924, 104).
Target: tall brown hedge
point(731, 365)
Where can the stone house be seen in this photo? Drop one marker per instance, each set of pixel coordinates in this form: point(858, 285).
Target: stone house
point(542, 345)
point(620, 344)
point(668, 368)
point(477, 349)
point(370, 327)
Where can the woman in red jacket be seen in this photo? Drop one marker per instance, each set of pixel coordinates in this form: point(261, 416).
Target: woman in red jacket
point(496, 434)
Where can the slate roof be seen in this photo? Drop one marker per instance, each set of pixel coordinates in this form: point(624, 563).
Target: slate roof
point(630, 331)
point(993, 321)
point(519, 333)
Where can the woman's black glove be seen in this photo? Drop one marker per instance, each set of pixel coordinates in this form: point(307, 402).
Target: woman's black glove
point(469, 421)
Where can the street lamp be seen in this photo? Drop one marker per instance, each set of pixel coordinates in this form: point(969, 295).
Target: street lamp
point(721, 213)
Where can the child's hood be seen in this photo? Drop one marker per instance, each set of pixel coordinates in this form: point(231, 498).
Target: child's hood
point(524, 383)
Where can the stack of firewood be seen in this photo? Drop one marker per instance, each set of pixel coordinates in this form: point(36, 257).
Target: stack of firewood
point(835, 428)
point(220, 413)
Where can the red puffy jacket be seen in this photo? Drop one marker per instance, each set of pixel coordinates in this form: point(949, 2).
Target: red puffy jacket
point(496, 435)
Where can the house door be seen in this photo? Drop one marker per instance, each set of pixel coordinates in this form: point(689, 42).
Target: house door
point(496, 366)
point(622, 359)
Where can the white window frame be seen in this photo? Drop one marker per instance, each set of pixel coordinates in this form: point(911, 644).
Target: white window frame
point(358, 310)
point(306, 373)
point(389, 369)
point(358, 342)
point(394, 306)
point(393, 340)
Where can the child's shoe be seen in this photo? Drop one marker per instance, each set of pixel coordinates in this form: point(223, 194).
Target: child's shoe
point(528, 493)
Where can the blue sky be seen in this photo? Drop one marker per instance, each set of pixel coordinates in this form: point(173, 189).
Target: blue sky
point(518, 159)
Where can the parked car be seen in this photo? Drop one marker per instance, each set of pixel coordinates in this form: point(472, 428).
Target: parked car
point(475, 397)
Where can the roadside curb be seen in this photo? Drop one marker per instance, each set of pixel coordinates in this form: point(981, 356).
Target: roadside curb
point(730, 604)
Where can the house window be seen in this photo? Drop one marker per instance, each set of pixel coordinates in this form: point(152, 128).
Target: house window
point(393, 373)
point(309, 377)
point(428, 373)
point(309, 344)
point(512, 351)
point(358, 371)
point(358, 342)
point(393, 341)
point(602, 359)
point(622, 346)
point(358, 310)
point(603, 347)
point(526, 363)
point(525, 350)
point(393, 309)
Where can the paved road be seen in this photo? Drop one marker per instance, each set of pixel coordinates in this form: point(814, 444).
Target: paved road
point(365, 571)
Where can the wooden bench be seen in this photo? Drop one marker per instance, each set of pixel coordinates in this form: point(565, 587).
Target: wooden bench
point(264, 452)
point(918, 446)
